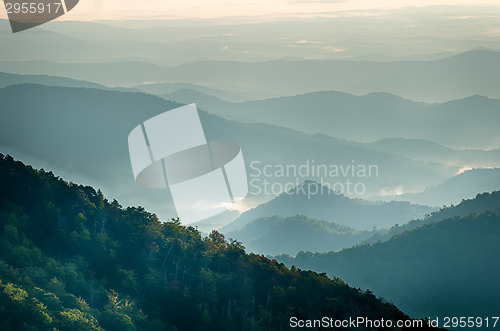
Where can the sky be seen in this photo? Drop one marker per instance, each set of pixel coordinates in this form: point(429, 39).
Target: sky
point(161, 9)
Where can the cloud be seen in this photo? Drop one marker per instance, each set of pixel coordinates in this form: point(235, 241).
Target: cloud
point(391, 192)
point(307, 42)
point(461, 17)
point(238, 205)
point(467, 168)
point(228, 49)
point(317, 45)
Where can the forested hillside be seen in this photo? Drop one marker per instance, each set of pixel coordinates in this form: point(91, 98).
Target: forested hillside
point(443, 268)
point(481, 203)
point(72, 260)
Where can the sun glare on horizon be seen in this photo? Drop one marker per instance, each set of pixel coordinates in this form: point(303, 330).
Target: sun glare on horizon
point(96, 10)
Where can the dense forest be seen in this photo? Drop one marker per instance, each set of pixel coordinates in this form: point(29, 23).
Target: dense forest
point(72, 260)
point(445, 265)
point(481, 203)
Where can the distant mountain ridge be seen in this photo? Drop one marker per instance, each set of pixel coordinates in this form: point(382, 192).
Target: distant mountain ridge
point(7, 79)
point(466, 123)
point(315, 201)
point(440, 268)
point(429, 151)
point(91, 145)
point(455, 77)
point(289, 235)
point(480, 203)
point(277, 235)
point(177, 91)
point(453, 190)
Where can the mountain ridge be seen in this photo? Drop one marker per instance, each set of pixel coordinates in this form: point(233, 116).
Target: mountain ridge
point(348, 116)
point(465, 185)
point(441, 268)
point(72, 260)
point(289, 235)
point(478, 204)
point(103, 157)
point(333, 207)
point(408, 79)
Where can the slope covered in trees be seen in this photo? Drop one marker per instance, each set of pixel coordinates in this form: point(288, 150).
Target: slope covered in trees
point(481, 203)
point(443, 268)
point(316, 200)
point(72, 260)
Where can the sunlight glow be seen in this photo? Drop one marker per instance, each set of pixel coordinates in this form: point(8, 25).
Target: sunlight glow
point(91, 10)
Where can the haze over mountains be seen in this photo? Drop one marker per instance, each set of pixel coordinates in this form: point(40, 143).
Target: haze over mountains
point(476, 205)
point(407, 33)
point(454, 124)
point(102, 156)
point(465, 123)
point(318, 202)
point(7, 79)
point(330, 222)
point(73, 260)
point(372, 120)
point(182, 92)
point(447, 265)
point(314, 218)
point(428, 151)
point(463, 186)
point(289, 235)
point(98, 148)
point(437, 80)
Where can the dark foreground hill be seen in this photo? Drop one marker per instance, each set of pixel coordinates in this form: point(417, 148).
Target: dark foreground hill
point(446, 267)
point(72, 260)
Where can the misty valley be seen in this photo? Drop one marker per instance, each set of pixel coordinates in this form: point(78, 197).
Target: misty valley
point(369, 162)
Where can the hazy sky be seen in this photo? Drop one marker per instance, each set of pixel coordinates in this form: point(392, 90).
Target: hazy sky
point(150, 9)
